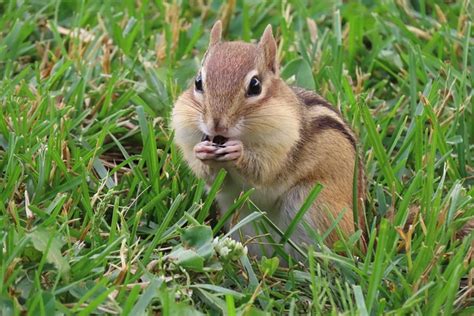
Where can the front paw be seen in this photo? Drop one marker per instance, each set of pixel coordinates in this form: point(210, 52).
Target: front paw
point(205, 151)
point(232, 150)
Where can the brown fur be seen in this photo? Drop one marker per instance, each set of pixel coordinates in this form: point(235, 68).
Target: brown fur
point(292, 138)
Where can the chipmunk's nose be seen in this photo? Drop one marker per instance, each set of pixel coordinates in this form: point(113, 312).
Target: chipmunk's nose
point(219, 127)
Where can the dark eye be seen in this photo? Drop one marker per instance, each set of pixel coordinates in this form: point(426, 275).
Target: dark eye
point(198, 83)
point(255, 87)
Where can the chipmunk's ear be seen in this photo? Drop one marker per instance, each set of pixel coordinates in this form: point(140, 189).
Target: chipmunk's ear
point(268, 50)
point(216, 33)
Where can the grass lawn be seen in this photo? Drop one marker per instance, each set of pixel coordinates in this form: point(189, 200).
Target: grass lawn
point(98, 209)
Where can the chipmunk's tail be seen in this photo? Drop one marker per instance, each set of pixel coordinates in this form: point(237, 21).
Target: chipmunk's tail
point(413, 219)
point(466, 230)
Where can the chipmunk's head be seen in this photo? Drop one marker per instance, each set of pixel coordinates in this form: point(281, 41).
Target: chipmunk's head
point(234, 79)
point(237, 93)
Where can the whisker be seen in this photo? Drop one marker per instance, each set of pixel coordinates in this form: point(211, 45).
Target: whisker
point(257, 127)
point(265, 116)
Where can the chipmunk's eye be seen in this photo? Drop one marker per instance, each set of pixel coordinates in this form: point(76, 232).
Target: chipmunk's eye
point(255, 87)
point(198, 83)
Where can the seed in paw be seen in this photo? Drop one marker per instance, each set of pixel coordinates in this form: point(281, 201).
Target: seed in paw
point(204, 137)
point(219, 140)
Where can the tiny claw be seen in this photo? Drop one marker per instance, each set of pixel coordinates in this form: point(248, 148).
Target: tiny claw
point(205, 150)
point(228, 156)
point(232, 150)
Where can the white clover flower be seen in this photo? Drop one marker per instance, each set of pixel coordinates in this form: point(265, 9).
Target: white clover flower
point(224, 251)
point(228, 248)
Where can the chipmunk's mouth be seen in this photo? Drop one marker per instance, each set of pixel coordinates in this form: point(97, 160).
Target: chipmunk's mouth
point(217, 140)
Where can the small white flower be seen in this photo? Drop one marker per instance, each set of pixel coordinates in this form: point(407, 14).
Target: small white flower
point(229, 249)
point(224, 251)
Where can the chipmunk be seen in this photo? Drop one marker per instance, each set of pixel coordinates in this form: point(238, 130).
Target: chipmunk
point(280, 140)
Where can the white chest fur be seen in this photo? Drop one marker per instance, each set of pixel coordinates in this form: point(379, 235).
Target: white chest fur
point(267, 199)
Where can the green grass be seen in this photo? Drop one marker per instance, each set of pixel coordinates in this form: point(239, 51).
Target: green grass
point(98, 209)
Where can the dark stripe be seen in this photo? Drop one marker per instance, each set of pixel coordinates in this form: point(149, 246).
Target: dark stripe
point(310, 98)
point(314, 100)
point(326, 122)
